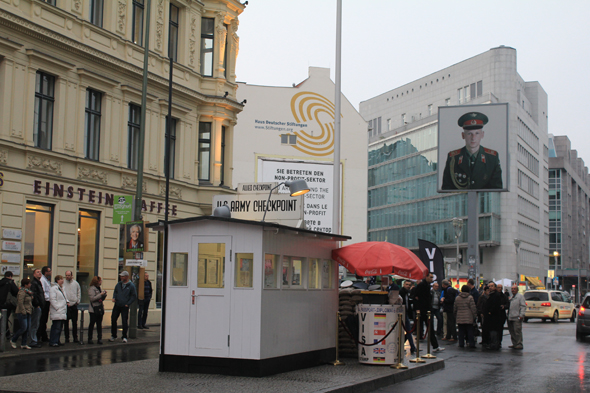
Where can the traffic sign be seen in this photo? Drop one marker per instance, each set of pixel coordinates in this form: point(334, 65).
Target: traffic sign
point(122, 209)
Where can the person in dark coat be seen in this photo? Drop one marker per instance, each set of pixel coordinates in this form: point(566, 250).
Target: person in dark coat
point(7, 286)
point(494, 316)
point(405, 295)
point(39, 304)
point(449, 308)
point(485, 334)
point(423, 303)
point(144, 305)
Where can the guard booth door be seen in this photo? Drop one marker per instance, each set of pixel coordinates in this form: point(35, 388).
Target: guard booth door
point(210, 287)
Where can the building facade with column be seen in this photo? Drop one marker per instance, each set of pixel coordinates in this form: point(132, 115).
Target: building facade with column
point(569, 218)
point(404, 205)
point(70, 104)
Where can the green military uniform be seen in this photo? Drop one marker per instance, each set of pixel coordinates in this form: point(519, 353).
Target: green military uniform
point(479, 171)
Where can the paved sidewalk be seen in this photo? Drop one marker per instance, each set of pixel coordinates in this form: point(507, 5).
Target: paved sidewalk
point(151, 335)
point(143, 376)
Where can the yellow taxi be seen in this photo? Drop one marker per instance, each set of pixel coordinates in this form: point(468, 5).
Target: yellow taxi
point(545, 305)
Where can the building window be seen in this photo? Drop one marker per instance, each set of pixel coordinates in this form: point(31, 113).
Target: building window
point(96, 7)
point(447, 101)
point(173, 43)
point(38, 237)
point(288, 139)
point(44, 98)
point(292, 272)
point(404, 119)
point(92, 125)
point(137, 29)
point(207, 29)
point(479, 88)
point(430, 110)
point(389, 125)
point(172, 157)
point(133, 127)
point(222, 169)
point(52, 2)
point(204, 151)
point(270, 270)
point(88, 241)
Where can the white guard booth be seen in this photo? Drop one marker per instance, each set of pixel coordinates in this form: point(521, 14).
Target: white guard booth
point(248, 298)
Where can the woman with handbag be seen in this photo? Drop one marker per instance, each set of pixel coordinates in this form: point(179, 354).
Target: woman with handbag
point(24, 309)
point(96, 308)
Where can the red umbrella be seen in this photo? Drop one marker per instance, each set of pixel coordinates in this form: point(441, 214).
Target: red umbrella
point(380, 258)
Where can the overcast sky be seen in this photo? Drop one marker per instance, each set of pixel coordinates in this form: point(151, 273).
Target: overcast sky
point(388, 43)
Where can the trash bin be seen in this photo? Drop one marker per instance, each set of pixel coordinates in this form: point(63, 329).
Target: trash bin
point(375, 321)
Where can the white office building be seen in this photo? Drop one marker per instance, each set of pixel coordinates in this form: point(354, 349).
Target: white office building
point(403, 203)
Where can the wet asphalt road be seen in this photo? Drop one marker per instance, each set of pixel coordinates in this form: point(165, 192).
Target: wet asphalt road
point(552, 361)
point(89, 357)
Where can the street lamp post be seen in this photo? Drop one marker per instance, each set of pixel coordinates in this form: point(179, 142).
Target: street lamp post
point(579, 283)
point(517, 247)
point(555, 255)
point(458, 226)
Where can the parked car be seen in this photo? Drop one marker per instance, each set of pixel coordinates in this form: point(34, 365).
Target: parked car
point(583, 325)
point(547, 304)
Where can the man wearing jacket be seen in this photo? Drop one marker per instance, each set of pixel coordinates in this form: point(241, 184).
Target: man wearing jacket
point(7, 286)
point(405, 295)
point(144, 304)
point(123, 296)
point(448, 302)
point(423, 303)
point(73, 293)
point(46, 283)
point(38, 305)
point(515, 317)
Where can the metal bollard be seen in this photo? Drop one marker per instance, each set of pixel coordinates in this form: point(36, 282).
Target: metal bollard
point(337, 362)
point(428, 354)
point(81, 328)
point(400, 345)
point(3, 324)
point(417, 359)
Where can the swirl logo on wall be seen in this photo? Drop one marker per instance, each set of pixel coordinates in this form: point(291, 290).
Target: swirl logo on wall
point(318, 112)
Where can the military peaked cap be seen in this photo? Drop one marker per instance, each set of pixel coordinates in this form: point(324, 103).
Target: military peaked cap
point(472, 121)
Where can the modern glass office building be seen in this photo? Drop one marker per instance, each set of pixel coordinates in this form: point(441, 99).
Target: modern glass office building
point(403, 203)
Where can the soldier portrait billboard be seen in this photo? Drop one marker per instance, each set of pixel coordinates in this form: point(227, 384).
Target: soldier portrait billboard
point(473, 148)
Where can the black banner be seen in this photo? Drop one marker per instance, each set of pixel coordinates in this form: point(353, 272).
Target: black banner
point(432, 257)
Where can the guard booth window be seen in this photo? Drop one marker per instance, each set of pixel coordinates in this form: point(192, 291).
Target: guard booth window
point(211, 267)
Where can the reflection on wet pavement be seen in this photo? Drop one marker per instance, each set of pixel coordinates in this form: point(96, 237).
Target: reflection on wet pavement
point(85, 358)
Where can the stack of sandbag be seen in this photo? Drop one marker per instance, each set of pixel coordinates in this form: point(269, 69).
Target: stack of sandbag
point(348, 298)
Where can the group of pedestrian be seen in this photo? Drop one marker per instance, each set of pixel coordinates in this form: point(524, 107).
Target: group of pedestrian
point(459, 315)
point(38, 300)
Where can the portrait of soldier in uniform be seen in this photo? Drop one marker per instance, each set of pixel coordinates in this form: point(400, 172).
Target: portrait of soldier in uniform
point(473, 166)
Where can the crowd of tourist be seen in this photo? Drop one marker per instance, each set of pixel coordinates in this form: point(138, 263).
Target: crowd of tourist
point(38, 301)
point(462, 316)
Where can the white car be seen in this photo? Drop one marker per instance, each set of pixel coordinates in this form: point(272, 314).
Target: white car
point(548, 305)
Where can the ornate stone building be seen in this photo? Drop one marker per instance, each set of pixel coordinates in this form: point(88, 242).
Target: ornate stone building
point(70, 103)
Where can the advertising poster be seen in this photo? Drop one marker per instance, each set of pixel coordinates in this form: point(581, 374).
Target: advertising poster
point(318, 206)
point(135, 237)
point(473, 148)
point(375, 321)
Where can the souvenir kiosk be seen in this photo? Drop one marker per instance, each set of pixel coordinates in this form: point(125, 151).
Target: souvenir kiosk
point(248, 298)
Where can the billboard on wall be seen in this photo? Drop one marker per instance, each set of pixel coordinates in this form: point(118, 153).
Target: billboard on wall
point(318, 202)
point(473, 148)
